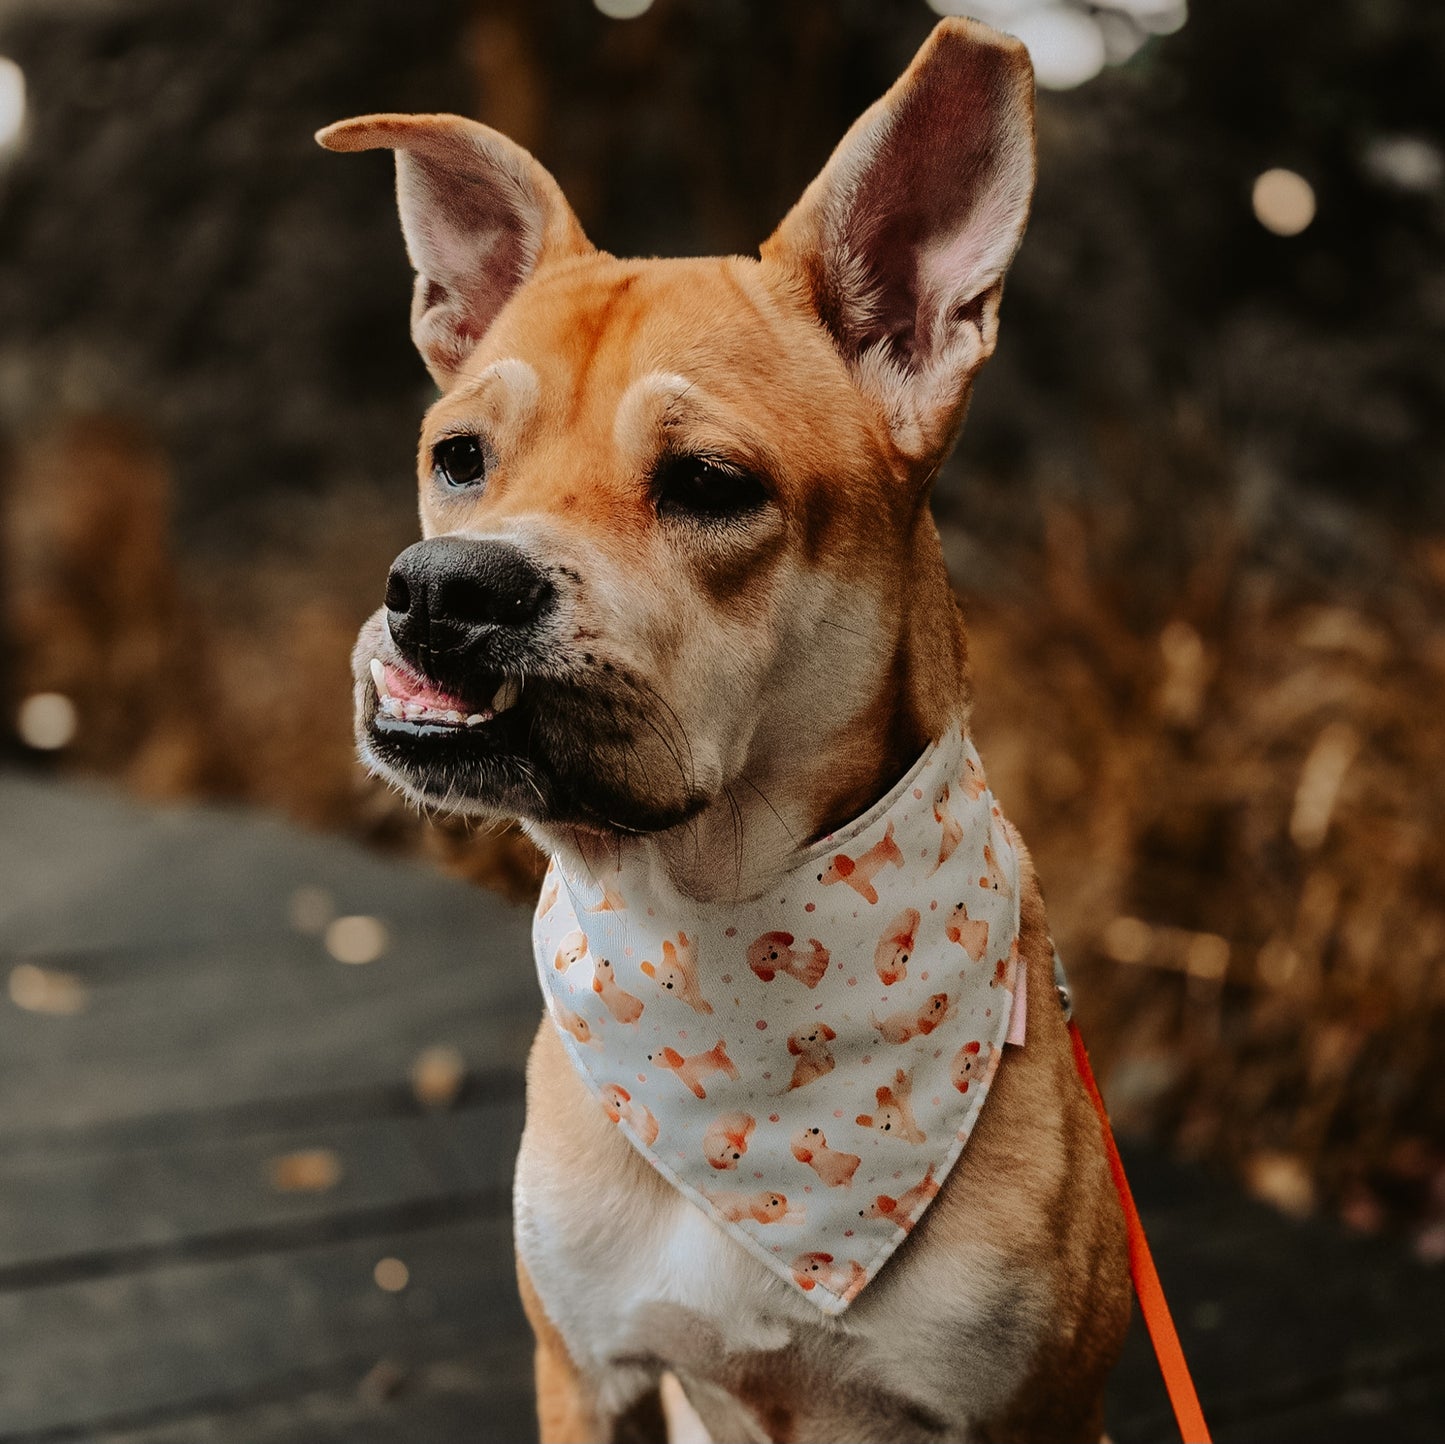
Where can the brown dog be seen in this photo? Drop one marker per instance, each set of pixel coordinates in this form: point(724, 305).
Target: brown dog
point(681, 593)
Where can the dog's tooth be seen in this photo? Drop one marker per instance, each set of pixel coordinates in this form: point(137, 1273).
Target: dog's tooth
point(475, 720)
point(413, 710)
point(507, 695)
point(391, 707)
point(378, 677)
point(453, 717)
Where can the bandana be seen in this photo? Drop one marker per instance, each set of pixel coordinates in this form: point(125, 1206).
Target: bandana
point(804, 1067)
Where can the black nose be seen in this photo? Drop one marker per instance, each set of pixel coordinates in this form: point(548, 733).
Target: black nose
point(450, 595)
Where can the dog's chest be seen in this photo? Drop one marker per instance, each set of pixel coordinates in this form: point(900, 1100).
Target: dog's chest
point(641, 1273)
point(637, 1275)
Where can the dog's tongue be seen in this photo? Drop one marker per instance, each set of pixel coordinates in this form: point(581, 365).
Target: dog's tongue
point(407, 686)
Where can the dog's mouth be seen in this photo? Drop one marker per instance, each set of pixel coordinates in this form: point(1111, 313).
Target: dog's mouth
point(549, 749)
point(459, 743)
point(408, 703)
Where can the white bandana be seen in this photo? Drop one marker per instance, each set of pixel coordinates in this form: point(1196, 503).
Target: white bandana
point(804, 1067)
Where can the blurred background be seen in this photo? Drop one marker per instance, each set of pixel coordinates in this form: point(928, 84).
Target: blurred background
point(1197, 516)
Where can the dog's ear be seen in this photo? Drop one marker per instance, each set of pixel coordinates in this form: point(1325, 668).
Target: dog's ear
point(903, 240)
point(479, 215)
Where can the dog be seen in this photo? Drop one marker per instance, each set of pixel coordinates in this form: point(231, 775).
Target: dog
point(692, 1070)
point(895, 947)
point(832, 1165)
point(680, 598)
point(815, 1060)
point(726, 1139)
point(859, 872)
point(775, 953)
point(904, 1025)
point(678, 973)
point(903, 1209)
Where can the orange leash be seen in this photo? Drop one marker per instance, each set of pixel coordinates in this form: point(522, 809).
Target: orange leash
point(1152, 1304)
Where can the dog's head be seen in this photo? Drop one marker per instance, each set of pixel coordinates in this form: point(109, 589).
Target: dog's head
point(675, 511)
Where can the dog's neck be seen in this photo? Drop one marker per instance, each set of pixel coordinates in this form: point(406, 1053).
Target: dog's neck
point(812, 775)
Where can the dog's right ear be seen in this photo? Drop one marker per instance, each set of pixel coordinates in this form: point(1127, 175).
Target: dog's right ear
point(901, 243)
point(479, 215)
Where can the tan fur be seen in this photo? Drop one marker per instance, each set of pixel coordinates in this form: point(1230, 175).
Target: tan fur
point(827, 620)
point(567, 1412)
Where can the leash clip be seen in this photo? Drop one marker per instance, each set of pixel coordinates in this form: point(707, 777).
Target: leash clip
point(1061, 986)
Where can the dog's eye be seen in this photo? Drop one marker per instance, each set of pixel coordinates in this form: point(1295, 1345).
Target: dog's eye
point(460, 460)
point(695, 486)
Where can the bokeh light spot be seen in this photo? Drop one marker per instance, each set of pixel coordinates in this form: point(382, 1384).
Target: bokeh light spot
point(623, 9)
point(1284, 202)
point(12, 103)
point(308, 1170)
point(437, 1075)
point(44, 990)
point(356, 939)
point(391, 1274)
point(1066, 46)
point(47, 721)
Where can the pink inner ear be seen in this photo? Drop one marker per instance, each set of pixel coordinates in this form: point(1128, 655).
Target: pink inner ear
point(916, 218)
point(472, 237)
point(956, 270)
point(943, 205)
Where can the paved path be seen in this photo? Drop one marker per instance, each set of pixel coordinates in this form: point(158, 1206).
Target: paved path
point(182, 1036)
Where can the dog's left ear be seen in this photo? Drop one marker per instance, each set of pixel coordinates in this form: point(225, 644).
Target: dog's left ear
point(903, 240)
point(479, 215)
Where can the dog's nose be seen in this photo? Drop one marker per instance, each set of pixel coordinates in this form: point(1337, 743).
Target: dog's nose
point(450, 594)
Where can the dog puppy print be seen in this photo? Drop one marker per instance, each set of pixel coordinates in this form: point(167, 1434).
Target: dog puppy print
point(993, 875)
point(773, 953)
point(819, 1271)
point(894, 1113)
point(914, 1022)
point(810, 1047)
point(952, 829)
point(835, 1168)
point(622, 1108)
point(973, 781)
point(693, 1070)
point(968, 1066)
point(576, 1025)
point(905, 1209)
point(761, 1206)
point(612, 900)
point(971, 934)
point(859, 872)
point(677, 973)
point(726, 1139)
point(571, 951)
point(895, 947)
point(1001, 968)
point(619, 1002)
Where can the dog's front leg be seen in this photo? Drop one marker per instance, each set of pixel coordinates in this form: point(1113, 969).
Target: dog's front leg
point(567, 1404)
point(569, 1409)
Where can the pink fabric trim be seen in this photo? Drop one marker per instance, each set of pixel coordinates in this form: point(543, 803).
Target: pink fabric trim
point(1019, 1020)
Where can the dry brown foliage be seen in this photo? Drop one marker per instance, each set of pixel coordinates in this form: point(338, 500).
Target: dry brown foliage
point(1235, 803)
